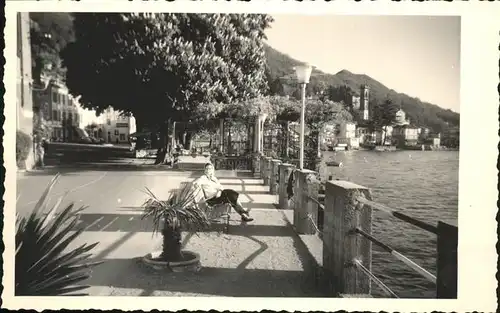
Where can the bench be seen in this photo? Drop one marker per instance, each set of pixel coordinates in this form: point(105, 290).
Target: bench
point(216, 212)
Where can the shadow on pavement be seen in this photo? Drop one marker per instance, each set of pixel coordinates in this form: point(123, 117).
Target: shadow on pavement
point(50, 171)
point(130, 277)
point(133, 223)
point(228, 282)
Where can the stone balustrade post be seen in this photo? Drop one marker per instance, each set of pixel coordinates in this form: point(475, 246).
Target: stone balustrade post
point(267, 170)
point(274, 177)
point(285, 170)
point(447, 244)
point(307, 182)
point(256, 169)
point(262, 165)
point(341, 245)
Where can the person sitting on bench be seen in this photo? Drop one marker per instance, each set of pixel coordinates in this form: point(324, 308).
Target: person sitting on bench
point(215, 194)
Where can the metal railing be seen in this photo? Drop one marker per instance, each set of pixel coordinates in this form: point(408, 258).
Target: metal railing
point(309, 206)
point(399, 256)
point(242, 162)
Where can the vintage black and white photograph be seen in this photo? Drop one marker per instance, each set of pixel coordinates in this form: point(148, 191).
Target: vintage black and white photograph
point(237, 155)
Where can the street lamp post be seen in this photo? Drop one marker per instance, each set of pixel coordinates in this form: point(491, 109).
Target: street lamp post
point(303, 74)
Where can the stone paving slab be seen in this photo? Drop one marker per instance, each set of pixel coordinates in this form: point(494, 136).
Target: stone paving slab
point(263, 258)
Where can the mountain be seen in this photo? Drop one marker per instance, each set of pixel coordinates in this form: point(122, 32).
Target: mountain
point(282, 81)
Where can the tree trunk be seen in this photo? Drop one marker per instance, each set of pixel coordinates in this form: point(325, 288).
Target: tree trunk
point(172, 246)
point(188, 138)
point(161, 153)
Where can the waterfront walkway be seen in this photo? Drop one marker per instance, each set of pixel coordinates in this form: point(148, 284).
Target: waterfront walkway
point(264, 258)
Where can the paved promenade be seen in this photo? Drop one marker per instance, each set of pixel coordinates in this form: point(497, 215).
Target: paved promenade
point(264, 258)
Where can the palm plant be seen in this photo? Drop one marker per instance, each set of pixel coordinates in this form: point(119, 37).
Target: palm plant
point(43, 265)
point(182, 211)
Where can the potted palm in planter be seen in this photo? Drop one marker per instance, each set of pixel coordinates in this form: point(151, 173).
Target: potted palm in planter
point(43, 264)
point(181, 212)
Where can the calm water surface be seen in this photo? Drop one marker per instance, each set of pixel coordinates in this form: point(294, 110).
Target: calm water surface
point(422, 184)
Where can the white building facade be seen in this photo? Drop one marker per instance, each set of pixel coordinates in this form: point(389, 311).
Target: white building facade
point(117, 127)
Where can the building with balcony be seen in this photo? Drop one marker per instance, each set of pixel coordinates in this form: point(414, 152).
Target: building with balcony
point(117, 126)
point(405, 135)
point(451, 137)
point(60, 111)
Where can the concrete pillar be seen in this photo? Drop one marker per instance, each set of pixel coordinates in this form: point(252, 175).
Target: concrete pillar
point(256, 135)
point(285, 170)
point(307, 185)
point(341, 246)
point(267, 170)
point(262, 166)
point(447, 243)
point(256, 165)
point(275, 178)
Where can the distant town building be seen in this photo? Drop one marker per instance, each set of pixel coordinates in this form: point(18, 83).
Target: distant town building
point(451, 137)
point(347, 130)
point(405, 135)
point(401, 118)
point(59, 110)
point(356, 102)
point(117, 127)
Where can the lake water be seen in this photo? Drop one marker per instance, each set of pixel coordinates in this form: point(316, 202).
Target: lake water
point(422, 184)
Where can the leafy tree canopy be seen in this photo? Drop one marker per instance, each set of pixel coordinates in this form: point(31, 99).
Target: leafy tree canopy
point(49, 35)
point(383, 114)
point(160, 66)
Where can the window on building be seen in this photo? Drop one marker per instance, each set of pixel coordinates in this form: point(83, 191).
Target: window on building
point(122, 137)
point(117, 132)
point(77, 117)
point(55, 97)
point(70, 101)
point(64, 116)
point(70, 116)
point(54, 115)
point(108, 121)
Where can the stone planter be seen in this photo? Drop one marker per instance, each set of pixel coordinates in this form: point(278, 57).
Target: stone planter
point(190, 264)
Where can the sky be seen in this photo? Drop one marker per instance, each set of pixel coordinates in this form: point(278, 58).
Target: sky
point(415, 55)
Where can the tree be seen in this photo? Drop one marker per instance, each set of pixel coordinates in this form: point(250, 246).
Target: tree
point(383, 115)
point(164, 67)
point(318, 114)
point(49, 34)
point(181, 212)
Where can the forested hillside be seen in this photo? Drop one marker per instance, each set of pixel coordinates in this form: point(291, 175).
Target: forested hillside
point(342, 85)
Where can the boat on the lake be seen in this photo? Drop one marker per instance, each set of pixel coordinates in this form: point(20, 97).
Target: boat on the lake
point(333, 163)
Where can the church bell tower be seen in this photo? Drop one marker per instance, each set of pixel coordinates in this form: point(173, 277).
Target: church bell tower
point(365, 97)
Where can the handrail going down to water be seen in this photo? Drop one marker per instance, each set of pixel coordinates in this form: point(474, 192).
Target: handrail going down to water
point(349, 207)
point(417, 268)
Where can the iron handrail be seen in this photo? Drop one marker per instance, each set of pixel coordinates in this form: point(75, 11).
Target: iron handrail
point(411, 220)
point(374, 278)
point(309, 216)
point(414, 266)
point(320, 205)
